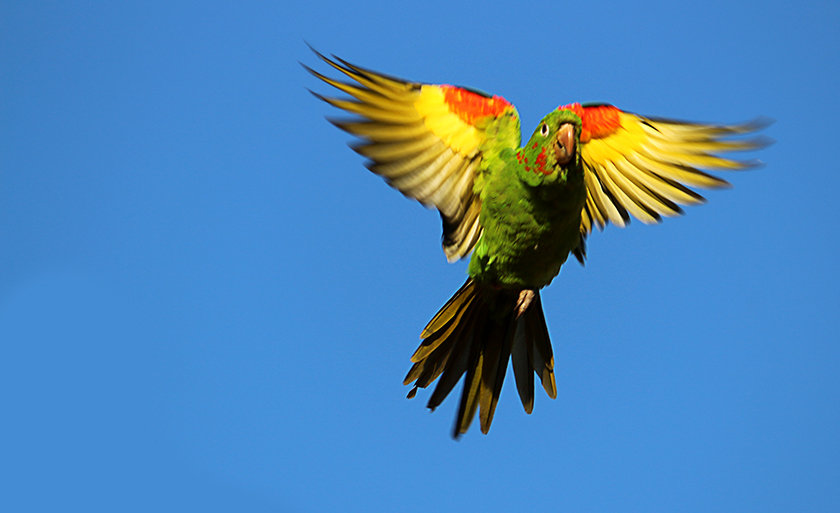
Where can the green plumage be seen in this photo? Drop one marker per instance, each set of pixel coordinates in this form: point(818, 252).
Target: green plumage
point(531, 220)
point(531, 198)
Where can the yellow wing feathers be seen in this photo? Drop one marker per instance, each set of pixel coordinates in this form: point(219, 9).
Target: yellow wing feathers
point(643, 167)
point(430, 142)
point(446, 124)
point(419, 142)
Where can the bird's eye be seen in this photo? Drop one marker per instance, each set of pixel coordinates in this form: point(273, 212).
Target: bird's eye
point(544, 130)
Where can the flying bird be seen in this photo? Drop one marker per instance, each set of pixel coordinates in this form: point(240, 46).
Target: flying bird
point(519, 210)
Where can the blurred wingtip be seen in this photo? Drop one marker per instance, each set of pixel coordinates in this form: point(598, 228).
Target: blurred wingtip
point(762, 141)
point(759, 123)
point(311, 47)
point(754, 164)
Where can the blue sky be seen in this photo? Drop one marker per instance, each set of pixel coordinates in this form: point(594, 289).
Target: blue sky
point(207, 302)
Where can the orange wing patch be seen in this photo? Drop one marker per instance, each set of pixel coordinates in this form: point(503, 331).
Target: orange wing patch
point(596, 122)
point(456, 116)
point(470, 106)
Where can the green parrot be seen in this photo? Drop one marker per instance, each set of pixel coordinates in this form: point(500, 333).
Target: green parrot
point(520, 210)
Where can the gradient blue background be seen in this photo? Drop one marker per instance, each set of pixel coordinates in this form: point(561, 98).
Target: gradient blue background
point(207, 303)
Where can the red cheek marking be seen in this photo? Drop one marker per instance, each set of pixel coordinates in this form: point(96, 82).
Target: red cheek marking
point(541, 163)
point(534, 147)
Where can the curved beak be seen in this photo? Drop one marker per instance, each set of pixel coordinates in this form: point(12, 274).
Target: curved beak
point(564, 144)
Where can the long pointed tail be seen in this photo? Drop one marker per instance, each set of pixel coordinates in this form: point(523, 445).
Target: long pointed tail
point(476, 332)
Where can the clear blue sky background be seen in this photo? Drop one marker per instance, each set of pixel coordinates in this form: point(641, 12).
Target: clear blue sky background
point(207, 303)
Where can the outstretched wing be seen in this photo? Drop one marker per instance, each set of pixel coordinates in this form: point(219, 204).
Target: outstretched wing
point(428, 141)
point(643, 166)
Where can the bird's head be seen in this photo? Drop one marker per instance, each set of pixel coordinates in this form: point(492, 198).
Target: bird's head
point(552, 154)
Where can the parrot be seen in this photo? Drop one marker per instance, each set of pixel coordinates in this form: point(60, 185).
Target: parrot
point(517, 211)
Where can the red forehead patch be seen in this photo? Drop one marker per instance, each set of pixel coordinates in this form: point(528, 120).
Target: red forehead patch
point(470, 106)
point(596, 122)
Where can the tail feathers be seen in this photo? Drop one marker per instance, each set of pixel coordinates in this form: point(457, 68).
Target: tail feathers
point(476, 332)
point(531, 353)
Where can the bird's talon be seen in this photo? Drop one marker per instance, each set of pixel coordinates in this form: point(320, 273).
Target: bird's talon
point(524, 301)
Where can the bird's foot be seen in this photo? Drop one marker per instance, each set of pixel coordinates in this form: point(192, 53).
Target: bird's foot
point(524, 301)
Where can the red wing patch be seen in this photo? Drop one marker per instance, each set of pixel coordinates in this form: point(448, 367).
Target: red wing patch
point(596, 122)
point(470, 106)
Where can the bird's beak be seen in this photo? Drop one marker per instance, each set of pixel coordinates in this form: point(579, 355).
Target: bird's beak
point(564, 144)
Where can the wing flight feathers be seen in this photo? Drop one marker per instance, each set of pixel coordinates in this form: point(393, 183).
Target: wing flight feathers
point(642, 167)
point(427, 141)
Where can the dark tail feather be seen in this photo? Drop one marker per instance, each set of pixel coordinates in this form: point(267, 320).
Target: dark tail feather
point(476, 332)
